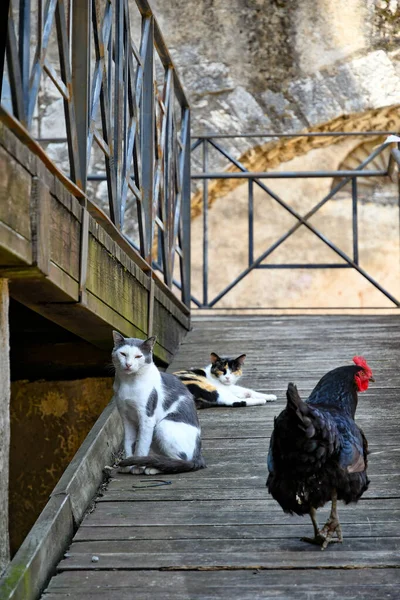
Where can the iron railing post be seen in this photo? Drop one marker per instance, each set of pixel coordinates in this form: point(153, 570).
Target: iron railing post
point(397, 151)
point(80, 62)
point(80, 65)
point(115, 208)
point(251, 221)
point(186, 213)
point(147, 140)
point(24, 40)
point(205, 224)
point(68, 94)
point(355, 219)
point(168, 198)
point(3, 36)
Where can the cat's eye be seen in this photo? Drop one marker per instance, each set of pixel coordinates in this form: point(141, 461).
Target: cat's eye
point(139, 356)
point(123, 354)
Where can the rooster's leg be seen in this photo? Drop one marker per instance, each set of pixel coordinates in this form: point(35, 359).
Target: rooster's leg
point(313, 515)
point(324, 536)
point(332, 525)
point(318, 539)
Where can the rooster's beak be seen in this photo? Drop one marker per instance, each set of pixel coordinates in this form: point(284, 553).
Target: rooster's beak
point(372, 379)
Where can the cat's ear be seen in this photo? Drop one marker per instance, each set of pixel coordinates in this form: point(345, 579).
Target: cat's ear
point(240, 359)
point(214, 357)
point(118, 339)
point(149, 343)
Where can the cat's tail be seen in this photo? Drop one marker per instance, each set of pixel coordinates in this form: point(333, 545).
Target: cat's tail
point(164, 464)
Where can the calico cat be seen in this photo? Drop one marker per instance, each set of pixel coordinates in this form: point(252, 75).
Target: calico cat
point(216, 384)
point(157, 412)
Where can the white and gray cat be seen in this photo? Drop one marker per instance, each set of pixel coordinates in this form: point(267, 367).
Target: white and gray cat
point(157, 410)
point(216, 384)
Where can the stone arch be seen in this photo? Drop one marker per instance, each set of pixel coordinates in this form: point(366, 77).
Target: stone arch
point(380, 190)
point(271, 154)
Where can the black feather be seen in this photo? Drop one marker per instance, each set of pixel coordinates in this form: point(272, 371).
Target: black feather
point(316, 446)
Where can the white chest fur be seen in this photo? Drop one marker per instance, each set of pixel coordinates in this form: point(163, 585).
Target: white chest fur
point(133, 390)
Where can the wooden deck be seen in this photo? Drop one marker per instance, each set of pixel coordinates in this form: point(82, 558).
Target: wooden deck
point(216, 533)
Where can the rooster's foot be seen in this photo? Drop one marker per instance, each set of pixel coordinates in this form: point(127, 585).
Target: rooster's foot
point(325, 535)
point(318, 540)
point(331, 527)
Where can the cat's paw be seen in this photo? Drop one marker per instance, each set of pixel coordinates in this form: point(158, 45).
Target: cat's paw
point(151, 471)
point(124, 469)
point(270, 398)
point(109, 471)
point(137, 470)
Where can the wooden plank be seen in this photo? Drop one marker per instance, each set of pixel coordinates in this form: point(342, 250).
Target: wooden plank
point(195, 554)
point(202, 547)
point(222, 467)
point(65, 229)
point(111, 279)
point(15, 226)
point(388, 488)
point(237, 531)
point(244, 512)
point(64, 282)
point(15, 192)
point(15, 251)
point(209, 432)
point(376, 443)
point(214, 486)
point(242, 580)
point(205, 592)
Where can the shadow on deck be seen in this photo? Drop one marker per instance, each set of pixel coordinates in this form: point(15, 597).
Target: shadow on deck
point(217, 532)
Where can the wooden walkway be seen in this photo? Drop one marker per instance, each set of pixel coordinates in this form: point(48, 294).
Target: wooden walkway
point(216, 533)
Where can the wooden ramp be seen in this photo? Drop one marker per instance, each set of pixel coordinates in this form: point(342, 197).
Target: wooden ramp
point(216, 533)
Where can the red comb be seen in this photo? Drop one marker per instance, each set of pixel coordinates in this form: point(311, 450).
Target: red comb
point(361, 362)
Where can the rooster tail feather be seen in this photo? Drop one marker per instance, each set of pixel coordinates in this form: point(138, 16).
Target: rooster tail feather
point(164, 464)
point(300, 410)
point(293, 397)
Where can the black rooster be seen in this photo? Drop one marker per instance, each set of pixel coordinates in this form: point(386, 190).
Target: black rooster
point(317, 452)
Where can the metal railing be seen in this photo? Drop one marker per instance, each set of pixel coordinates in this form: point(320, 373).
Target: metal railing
point(119, 89)
point(237, 170)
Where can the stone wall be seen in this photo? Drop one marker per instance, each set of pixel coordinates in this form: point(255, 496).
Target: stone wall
point(282, 66)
